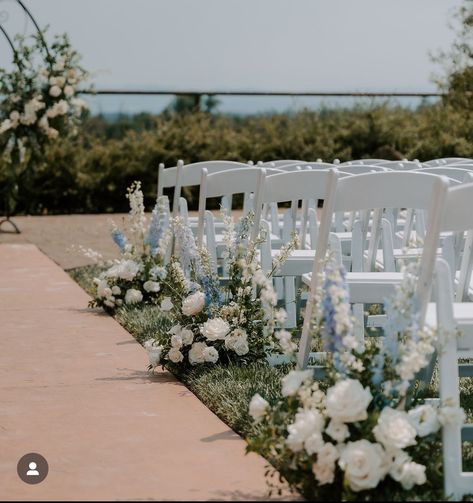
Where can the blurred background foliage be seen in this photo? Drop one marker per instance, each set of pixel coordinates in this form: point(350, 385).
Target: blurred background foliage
point(90, 173)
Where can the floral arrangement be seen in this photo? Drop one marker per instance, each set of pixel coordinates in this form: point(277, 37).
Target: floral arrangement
point(360, 435)
point(39, 102)
point(136, 277)
point(220, 321)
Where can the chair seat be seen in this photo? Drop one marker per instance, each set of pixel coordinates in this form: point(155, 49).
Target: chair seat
point(368, 287)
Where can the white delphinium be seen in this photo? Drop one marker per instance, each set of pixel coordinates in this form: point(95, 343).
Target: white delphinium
point(293, 381)
point(285, 251)
point(228, 235)
point(136, 216)
point(285, 341)
point(450, 413)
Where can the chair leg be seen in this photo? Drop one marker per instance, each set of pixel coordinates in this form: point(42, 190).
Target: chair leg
point(359, 328)
point(290, 298)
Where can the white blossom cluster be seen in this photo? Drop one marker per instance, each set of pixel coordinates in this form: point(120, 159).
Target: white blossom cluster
point(321, 430)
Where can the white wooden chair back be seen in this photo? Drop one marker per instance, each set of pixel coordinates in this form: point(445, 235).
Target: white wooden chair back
point(377, 191)
point(458, 174)
point(361, 162)
point(401, 165)
point(278, 162)
point(189, 175)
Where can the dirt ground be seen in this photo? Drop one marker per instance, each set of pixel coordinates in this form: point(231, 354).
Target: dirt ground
point(59, 236)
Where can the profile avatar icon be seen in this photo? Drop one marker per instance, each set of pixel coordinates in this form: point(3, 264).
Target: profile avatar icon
point(32, 470)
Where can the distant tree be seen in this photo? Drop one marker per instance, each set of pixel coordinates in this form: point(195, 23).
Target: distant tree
point(457, 81)
point(193, 103)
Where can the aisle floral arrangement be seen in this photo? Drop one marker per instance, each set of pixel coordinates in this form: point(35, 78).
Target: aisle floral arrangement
point(220, 321)
point(136, 277)
point(361, 434)
point(39, 104)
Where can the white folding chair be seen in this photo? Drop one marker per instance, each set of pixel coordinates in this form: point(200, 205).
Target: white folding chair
point(361, 162)
point(378, 191)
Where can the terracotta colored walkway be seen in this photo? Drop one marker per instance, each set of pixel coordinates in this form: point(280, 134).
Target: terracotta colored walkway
point(73, 387)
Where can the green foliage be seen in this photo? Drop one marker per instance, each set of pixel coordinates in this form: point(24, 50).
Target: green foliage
point(89, 173)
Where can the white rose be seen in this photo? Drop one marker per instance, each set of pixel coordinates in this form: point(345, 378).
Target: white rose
point(55, 91)
point(196, 353)
point(347, 401)
point(338, 431)
point(69, 91)
point(313, 443)
point(394, 429)
point(241, 346)
point(103, 290)
point(109, 303)
point(424, 419)
point(412, 474)
point(125, 269)
point(214, 329)
point(258, 407)
point(187, 336)
point(324, 468)
point(293, 381)
point(116, 290)
point(364, 463)
point(133, 296)
point(176, 341)
point(154, 355)
point(210, 354)
point(193, 304)
point(151, 286)
point(449, 414)
point(306, 423)
point(234, 337)
point(166, 304)
point(175, 355)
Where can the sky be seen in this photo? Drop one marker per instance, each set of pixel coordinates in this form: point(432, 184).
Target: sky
point(264, 45)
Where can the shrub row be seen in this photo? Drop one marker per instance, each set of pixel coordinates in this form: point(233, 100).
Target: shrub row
point(91, 172)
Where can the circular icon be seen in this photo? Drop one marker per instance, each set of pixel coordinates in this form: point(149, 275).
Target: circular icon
point(32, 468)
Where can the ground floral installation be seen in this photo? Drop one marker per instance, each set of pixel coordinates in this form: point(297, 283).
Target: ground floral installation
point(214, 321)
point(137, 277)
point(39, 104)
point(362, 434)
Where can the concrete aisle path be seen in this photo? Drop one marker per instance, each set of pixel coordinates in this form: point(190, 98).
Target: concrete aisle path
point(74, 388)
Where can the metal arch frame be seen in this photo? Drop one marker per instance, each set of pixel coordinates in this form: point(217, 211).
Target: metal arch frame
point(7, 219)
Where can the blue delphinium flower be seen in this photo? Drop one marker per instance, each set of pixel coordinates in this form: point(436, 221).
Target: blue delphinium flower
point(159, 222)
point(119, 239)
point(186, 248)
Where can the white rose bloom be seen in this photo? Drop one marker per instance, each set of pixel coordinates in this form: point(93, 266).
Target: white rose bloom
point(187, 336)
point(338, 431)
point(103, 290)
point(412, 474)
point(175, 355)
point(196, 353)
point(258, 407)
point(450, 414)
point(424, 419)
point(394, 429)
point(193, 304)
point(306, 423)
point(176, 341)
point(151, 286)
point(116, 290)
point(347, 401)
point(133, 296)
point(364, 463)
point(55, 91)
point(154, 353)
point(215, 329)
point(109, 303)
point(241, 347)
point(69, 91)
point(293, 381)
point(324, 468)
point(232, 338)
point(166, 304)
point(314, 443)
point(125, 269)
point(210, 354)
